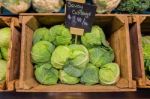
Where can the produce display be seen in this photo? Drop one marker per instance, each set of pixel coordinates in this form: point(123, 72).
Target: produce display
point(46, 6)
point(58, 58)
point(16, 6)
point(106, 6)
point(4, 44)
point(133, 6)
point(146, 52)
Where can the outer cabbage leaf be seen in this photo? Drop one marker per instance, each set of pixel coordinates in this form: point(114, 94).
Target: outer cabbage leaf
point(67, 79)
point(41, 34)
point(2, 71)
point(4, 52)
point(90, 75)
point(5, 37)
point(60, 56)
point(101, 55)
point(41, 52)
point(46, 75)
point(94, 38)
point(109, 74)
point(60, 35)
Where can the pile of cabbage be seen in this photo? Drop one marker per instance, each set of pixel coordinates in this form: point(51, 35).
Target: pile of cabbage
point(57, 59)
point(5, 34)
point(146, 52)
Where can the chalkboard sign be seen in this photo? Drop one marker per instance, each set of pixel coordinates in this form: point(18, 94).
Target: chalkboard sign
point(80, 15)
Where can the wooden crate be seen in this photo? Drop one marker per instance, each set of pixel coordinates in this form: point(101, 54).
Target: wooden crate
point(140, 26)
point(117, 32)
point(12, 72)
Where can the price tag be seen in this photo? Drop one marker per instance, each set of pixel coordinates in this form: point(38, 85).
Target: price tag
point(79, 17)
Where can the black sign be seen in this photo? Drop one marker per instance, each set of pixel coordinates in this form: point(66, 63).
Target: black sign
point(80, 15)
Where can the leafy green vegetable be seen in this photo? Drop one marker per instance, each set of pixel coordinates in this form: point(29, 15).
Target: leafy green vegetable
point(95, 38)
point(133, 6)
point(90, 75)
point(46, 75)
point(60, 56)
point(146, 52)
point(67, 79)
point(5, 36)
point(109, 74)
point(100, 56)
point(4, 52)
point(41, 52)
point(3, 65)
point(60, 35)
point(41, 34)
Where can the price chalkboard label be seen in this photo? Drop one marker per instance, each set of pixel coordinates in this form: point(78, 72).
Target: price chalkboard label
point(80, 15)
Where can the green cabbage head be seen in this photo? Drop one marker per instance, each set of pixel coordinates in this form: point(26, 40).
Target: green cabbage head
point(41, 52)
point(90, 75)
point(109, 74)
point(41, 34)
point(67, 79)
point(60, 35)
point(100, 56)
point(78, 60)
point(72, 58)
point(4, 52)
point(94, 38)
point(3, 65)
point(5, 34)
point(46, 74)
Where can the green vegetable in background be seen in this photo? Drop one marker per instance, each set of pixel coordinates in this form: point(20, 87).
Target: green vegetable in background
point(60, 35)
point(41, 34)
point(67, 79)
point(41, 52)
point(109, 74)
point(146, 52)
point(133, 6)
point(4, 52)
point(3, 65)
point(16, 6)
point(100, 56)
point(94, 38)
point(45, 74)
point(5, 34)
point(90, 75)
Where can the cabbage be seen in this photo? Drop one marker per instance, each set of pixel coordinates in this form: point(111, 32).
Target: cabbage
point(45, 74)
point(146, 52)
point(5, 36)
point(41, 34)
point(77, 61)
point(109, 74)
point(4, 52)
point(46, 6)
point(60, 35)
point(67, 79)
point(60, 56)
point(90, 75)
point(73, 59)
point(16, 6)
point(41, 52)
point(101, 55)
point(94, 38)
point(3, 65)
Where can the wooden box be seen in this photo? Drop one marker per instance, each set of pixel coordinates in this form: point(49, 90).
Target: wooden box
point(12, 72)
point(117, 32)
point(139, 27)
